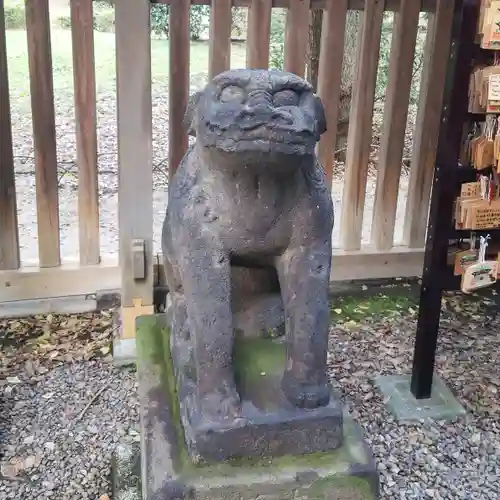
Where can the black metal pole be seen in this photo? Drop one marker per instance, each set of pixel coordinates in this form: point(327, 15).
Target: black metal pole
point(454, 116)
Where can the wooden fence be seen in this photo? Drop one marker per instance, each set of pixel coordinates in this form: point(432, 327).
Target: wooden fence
point(133, 52)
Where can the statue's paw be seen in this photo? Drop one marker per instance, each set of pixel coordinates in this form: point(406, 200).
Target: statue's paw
point(220, 406)
point(303, 395)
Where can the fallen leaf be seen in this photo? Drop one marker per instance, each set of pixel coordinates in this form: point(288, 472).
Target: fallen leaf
point(338, 311)
point(13, 468)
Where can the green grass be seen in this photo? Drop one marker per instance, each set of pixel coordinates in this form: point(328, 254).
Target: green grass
point(62, 62)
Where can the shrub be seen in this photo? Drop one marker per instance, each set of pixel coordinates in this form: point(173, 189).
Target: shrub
point(159, 19)
point(104, 20)
point(198, 17)
point(14, 15)
point(277, 39)
point(64, 22)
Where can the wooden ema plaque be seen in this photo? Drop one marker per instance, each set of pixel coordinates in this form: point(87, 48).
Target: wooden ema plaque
point(469, 190)
point(478, 214)
point(463, 260)
point(485, 217)
point(479, 275)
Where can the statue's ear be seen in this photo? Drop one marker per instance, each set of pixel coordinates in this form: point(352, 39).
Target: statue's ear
point(189, 115)
point(319, 111)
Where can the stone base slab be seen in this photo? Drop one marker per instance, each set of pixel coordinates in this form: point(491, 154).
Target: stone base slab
point(346, 473)
point(442, 405)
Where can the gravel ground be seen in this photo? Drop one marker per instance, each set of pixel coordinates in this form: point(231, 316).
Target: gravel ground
point(108, 176)
point(49, 447)
point(64, 407)
point(440, 460)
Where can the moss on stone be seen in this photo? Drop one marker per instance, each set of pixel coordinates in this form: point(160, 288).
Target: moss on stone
point(354, 308)
point(252, 358)
point(257, 359)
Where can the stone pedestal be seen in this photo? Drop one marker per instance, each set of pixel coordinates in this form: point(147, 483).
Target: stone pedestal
point(344, 471)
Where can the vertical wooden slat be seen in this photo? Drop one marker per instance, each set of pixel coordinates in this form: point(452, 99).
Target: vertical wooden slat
point(86, 130)
point(9, 234)
point(258, 34)
point(178, 94)
point(360, 126)
point(220, 37)
point(44, 131)
point(135, 196)
point(425, 138)
point(297, 36)
point(395, 115)
point(329, 76)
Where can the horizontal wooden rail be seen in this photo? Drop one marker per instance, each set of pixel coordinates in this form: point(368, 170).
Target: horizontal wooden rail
point(391, 5)
point(72, 279)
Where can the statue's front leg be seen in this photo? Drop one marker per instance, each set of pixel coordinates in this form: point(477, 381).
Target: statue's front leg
point(304, 272)
point(205, 275)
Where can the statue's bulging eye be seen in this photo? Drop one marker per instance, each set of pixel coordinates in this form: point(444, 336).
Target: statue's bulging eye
point(232, 93)
point(286, 98)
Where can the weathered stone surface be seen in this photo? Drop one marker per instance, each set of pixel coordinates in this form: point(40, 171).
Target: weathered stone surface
point(249, 196)
point(126, 472)
point(269, 425)
point(347, 473)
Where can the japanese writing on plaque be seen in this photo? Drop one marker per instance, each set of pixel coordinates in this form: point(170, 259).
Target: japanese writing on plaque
point(494, 88)
point(486, 218)
point(469, 190)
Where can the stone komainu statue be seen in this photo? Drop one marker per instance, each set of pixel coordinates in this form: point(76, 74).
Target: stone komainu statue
point(249, 194)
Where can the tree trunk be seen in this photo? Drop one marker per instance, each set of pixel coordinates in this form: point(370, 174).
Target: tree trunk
point(353, 22)
point(314, 47)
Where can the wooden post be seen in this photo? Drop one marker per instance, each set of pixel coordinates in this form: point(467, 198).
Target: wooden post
point(360, 126)
point(444, 189)
point(427, 127)
point(259, 32)
point(297, 36)
point(329, 78)
point(135, 210)
point(220, 37)
point(44, 131)
point(9, 234)
point(395, 115)
point(86, 130)
point(179, 83)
